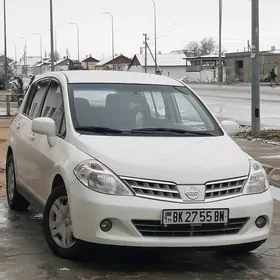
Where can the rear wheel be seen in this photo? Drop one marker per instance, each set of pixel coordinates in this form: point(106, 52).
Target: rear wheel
point(58, 225)
point(16, 201)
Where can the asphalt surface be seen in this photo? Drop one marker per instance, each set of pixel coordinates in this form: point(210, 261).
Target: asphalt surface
point(234, 103)
point(24, 255)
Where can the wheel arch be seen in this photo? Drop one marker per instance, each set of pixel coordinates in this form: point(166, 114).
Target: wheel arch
point(9, 152)
point(58, 181)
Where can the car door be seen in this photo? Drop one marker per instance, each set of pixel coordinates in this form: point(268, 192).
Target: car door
point(46, 158)
point(23, 140)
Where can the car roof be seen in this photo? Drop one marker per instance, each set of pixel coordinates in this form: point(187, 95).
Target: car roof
point(123, 77)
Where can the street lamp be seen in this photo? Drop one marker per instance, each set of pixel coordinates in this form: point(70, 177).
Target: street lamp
point(41, 51)
point(113, 39)
point(78, 38)
point(155, 31)
point(220, 40)
point(51, 34)
point(55, 39)
point(5, 47)
point(15, 44)
point(25, 54)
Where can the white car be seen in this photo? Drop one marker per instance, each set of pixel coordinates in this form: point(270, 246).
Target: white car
point(86, 151)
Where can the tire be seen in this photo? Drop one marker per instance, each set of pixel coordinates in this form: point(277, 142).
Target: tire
point(56, 222)
point(16, 201)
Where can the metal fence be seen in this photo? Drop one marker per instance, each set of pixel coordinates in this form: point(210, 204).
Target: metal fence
point(9, 103)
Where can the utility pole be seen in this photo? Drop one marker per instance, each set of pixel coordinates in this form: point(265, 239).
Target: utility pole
point(158, 69)
point(255, 70)
point(220, 40)
point(25, 54)
point(41, 51)
point(146, 51)
point(51, 33)
point(5, 47)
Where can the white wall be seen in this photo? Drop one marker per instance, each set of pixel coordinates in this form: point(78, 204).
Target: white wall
point(175, 72)
point(206, 75)
point(192, 76)
point(61, 67)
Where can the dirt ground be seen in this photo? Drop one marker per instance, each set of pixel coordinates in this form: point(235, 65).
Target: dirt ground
point(4, 134)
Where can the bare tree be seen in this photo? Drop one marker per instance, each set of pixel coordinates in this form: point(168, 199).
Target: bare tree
point(204, 47)
point(208, 46)
point(56, 55)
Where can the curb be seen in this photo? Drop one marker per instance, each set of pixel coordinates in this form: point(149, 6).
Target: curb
point(273, 175)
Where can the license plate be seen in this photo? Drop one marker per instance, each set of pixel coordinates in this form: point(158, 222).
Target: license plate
point(203, 216)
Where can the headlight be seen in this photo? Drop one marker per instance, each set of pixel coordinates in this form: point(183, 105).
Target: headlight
point(258, 181)
point(97, 177)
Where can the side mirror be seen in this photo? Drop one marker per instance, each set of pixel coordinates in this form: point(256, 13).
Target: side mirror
point(230, 127)
point(45, 126)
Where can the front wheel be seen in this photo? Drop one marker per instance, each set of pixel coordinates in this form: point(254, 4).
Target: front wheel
point(58, 225)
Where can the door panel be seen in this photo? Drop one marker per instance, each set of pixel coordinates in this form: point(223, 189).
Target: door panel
point(46, 158)
point(24, 145)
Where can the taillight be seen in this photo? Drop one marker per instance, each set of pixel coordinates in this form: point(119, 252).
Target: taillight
point(15, 115)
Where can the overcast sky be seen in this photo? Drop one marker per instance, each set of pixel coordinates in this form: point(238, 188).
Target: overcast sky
point(179, 21)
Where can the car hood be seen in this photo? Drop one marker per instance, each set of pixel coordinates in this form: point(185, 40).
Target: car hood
point(183, 160)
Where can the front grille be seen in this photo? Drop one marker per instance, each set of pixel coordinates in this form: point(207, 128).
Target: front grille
point(154, 189)
point(154, 228)
point(225, 188)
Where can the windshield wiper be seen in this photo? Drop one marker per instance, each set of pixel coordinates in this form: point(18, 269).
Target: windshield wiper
point(99, 129)
point(172, 130)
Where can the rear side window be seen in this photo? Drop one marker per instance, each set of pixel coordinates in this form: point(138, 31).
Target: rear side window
point(35, 99)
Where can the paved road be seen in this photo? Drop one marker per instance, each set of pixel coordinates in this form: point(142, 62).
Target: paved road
point(24, 255)
point(234, 103)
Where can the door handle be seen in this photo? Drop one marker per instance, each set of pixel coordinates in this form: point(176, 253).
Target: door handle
point(32, 136)
point(18, 126)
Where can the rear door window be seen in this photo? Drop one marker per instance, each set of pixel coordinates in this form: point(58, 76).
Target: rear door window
point(35, 99)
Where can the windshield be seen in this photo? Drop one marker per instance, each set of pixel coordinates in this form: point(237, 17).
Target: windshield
point(139, 109)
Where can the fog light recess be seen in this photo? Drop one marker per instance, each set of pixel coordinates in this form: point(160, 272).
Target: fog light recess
point(261, 222)
point(106, 225)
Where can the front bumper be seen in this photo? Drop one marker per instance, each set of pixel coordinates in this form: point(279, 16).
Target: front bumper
point(89, 208)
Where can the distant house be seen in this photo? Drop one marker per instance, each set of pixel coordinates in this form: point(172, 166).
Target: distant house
point(203, 68)
point(62, 64)
point(171, 64)
point(89, 63)
point(120, 62)
point(44, 66)
point(2, 60)
point(24, 66)
point(239, 65)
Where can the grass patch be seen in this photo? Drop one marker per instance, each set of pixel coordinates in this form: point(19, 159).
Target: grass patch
point(268, 135)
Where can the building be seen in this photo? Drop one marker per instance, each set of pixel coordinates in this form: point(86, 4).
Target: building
point(239, 65)
point(25, 66)
point(171, 64)
point(89, 63)
point(121, 63)
point(2, 60)
point(203, 68)
point(44, 66)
